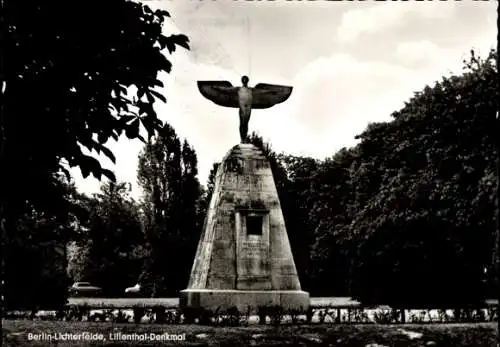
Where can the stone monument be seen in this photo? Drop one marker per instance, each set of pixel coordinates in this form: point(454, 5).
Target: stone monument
point(244, 258)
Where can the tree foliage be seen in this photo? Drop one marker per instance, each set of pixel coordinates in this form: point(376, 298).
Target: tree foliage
point(173, 211)
point(76, 76)
point(114, 250)
point(331, 194)
point(90, 73)
point(210, 184)
point(34, 261)
point(421, 220)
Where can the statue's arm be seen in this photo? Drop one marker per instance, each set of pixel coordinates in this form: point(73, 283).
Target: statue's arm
point(267, 95)
point(221, 93)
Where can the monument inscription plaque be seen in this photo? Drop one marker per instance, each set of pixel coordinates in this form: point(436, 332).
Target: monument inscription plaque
point(253, 249)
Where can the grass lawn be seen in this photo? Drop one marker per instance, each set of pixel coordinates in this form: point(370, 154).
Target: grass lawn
point(15, 333)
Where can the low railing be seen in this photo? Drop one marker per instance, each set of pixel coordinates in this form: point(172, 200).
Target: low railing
point(330, 310)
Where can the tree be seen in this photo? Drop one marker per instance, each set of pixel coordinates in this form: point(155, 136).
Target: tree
point(277, 168)
point(78, 260)
point(103, 82)
point(330, 212)
point(172, 204)
point(115, 247)
point(424, 194)
point(90, 73)
point(193, 211)
point(210, 185)
point(34, 262)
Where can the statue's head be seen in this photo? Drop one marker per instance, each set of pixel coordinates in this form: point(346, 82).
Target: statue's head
point(244, 80)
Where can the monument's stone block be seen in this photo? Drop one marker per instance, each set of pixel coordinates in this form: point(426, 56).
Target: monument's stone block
point(244, 257)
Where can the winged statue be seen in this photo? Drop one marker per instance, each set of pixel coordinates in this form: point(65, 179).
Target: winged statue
point(245, 98)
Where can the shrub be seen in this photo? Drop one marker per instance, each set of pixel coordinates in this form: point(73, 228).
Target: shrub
point(309, 315)
point(246, 316)
point(189, 315)
point(359, 316)
point(139, 312)
point(294, 314)
point(262, 312)
point(173, 316)
point(493, 313)
point(276, 314)
point(120, 317)
point(232, 317)
point(206, 316)
point(386, 316)
point(78, 312)
point(160, 314)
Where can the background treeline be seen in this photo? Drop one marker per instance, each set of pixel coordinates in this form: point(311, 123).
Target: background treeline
point(406, 217)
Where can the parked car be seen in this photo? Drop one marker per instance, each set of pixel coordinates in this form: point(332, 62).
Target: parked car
point(133, 291)
point(84, 289)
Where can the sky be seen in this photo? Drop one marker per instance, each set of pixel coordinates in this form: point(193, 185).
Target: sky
point(350, 64)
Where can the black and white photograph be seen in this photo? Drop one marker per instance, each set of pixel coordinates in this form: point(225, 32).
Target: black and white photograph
point(250, 173)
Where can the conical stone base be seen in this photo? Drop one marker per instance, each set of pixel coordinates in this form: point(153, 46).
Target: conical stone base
point(244, 257)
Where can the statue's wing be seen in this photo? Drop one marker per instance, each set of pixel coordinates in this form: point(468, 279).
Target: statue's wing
point(267, 95)
point(221, 93)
